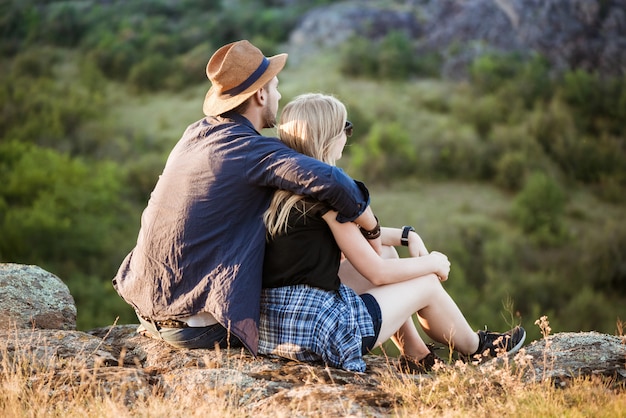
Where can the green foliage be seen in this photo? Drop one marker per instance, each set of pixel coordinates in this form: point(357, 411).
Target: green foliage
point(394, 57)
point(601, 262)
point(511, 171)
point(539, 209)
point(481, 112)
point(514, 153)
point(98, 304)
point(65, 206)
point(114, 57)
point(597, 160)
point(358, 59)
point(386, 152)
point(55, 108)
point(122, 37)
point(490, 72)
point(598, 104)
point(454, 154)
point(56, 207)
point(512, 77)
point(149, 74)
point(64, 24)
point(61, 213)
point(19, 22)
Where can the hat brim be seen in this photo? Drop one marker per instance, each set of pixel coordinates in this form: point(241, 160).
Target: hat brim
point(216, 103)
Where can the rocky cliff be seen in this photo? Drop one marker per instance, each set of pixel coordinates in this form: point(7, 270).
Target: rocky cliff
point(571, 34)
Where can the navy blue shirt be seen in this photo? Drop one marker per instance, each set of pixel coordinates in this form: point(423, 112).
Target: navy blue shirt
point(201, 243)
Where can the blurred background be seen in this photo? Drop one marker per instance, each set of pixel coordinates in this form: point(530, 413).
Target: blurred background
point(495, 127)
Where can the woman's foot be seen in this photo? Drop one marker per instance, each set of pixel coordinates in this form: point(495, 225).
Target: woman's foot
point(492, 343)
point(410, 365)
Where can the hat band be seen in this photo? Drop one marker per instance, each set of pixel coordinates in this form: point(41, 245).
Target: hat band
point(250, 80)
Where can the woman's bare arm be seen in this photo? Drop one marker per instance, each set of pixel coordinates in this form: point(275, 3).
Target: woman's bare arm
point(381, 271)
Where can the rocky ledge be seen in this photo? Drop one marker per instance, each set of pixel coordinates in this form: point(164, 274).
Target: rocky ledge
point(116, 360)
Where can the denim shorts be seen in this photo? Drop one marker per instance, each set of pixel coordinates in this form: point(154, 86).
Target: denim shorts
point(377, 319)
point(192, 337)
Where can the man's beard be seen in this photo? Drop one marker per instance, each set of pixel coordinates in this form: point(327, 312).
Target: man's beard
point(269, 118)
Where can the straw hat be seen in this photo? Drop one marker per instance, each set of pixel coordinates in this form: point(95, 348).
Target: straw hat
point(236, 72)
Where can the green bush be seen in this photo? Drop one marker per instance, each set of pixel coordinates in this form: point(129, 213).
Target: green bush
point(150, 74)
point(539, 209)
point(482, 113)
point(61, 213)
point(86, 290)
point(513, 77)
point(34, 63)
point(511, 171)
point(114, 57)
point(553, 126)
point(391, 58)
point(63, 24)
point(453, 155)
point(384, 154)
point(358, 58)
point(55, 110)
point(395, 56)
point(192, 64)
point(490, 72)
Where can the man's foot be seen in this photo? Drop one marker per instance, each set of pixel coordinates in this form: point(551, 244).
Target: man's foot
point(493, 343)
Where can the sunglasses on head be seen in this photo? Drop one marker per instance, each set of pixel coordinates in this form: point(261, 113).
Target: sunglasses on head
point(348, 128)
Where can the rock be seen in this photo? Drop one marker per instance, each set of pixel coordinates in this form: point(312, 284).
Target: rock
point(572, 34)
point(71, 361)
point(261, 383)
point(329, 26)
point(117, 362)
point(567, 355)
point(31, 297)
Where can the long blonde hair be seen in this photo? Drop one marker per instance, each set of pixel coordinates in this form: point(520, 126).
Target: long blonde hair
point(309, 124)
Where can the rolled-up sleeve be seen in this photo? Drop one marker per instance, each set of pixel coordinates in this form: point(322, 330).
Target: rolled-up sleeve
point(271, 163)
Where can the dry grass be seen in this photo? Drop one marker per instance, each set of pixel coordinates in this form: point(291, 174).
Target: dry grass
point(466, 391)
point(66, 388)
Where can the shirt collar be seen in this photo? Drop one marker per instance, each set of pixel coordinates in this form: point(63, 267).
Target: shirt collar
point(237, 118)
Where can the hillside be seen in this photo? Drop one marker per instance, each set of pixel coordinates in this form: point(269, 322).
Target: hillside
point(495, 128)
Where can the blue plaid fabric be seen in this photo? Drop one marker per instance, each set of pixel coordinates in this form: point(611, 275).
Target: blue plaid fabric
point(309, 324)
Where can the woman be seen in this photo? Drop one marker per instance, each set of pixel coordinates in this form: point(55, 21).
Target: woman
point(309, 314)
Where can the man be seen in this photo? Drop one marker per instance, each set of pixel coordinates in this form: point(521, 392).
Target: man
point(194, 277)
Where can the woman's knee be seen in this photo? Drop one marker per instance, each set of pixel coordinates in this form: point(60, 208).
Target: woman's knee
point(430, 286)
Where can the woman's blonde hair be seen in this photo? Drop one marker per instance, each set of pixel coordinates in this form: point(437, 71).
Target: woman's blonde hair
point(309, 124)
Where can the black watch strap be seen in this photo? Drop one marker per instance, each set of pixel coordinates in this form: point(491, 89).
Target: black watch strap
point(404, 240)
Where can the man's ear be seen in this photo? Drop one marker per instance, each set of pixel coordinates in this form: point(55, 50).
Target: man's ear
point(260, 96)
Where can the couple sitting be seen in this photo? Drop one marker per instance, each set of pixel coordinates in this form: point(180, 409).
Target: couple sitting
point(237, 217)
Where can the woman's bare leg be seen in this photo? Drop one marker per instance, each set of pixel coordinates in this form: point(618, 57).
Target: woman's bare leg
point(443, 323)
point(439, 316)
point(409, 341)
point(407, 338)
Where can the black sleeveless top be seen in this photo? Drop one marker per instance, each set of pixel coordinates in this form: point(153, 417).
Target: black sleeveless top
point(306, 254)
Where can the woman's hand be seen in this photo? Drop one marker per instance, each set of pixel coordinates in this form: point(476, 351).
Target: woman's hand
point(417, 248)
point(441, 265)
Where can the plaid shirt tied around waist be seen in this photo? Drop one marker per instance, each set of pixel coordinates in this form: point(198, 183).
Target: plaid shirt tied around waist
point(309, 324)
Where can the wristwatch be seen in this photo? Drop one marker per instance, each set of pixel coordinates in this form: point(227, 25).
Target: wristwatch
point(404, 240)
